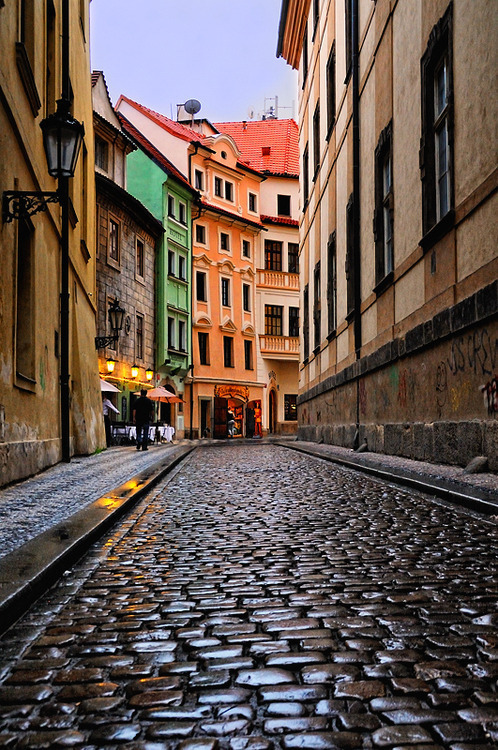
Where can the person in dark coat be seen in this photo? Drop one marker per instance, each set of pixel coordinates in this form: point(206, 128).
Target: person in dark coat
point(143, 410)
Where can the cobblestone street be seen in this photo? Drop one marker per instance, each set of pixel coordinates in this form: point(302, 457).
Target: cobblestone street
point(261, 598)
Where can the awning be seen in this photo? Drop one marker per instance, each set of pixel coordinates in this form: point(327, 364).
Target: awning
point(105, 386)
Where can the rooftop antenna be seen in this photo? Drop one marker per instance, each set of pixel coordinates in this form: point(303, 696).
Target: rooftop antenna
point(192, 106)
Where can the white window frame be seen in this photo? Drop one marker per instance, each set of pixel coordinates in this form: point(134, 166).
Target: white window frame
point(250, 195)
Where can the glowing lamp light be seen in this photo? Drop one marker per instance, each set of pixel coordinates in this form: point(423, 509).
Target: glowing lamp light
point(111, 363)
point(149, 374)
point(134, 371)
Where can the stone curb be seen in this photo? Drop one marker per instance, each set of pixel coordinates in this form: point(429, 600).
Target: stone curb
point(27, 572)
point(452, 491)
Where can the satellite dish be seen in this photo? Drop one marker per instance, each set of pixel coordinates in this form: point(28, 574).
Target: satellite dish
point(192, 106)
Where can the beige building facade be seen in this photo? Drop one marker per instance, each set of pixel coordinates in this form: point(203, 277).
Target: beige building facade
point(30, 325)
point(398, 228)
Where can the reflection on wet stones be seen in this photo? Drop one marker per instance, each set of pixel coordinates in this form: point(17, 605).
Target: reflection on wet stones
point(291, 604)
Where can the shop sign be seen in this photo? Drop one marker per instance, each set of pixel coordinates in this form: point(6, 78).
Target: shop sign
point(232, 391)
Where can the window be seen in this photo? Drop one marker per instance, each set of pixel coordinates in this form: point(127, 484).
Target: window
point(293, 257)
point(437, 130)
point(350, 270)
point(306, 323)
point(182, 213)
point(294, 321)
point(316, 141)
point(101, 154)
point(25, 344)
point(384, 205)
point(200, 234)
point(171, 206)
point(348, 18)
point(273, 320)
point(248, 355)
point(218, 184)
point(171, 263)
point(199, 179)
point(182, 267)
point(139, 341)
point(246, 297)
point(306, 177)
point(228, 351)
point(316, 3)
point(283, 205)
point(182, 338)
point(114, 240)
point(331, 285)
point(246, 249)
point(171, 332)
point(203, 339)
point(225, 292)
point(224, 241)
point(201, 287)
point(140, 258)
point(229, 191)
point(290, 407)
point(273, 255)
point(317, 306)
point(305, 55)
point(253, 202)
point(331, 102)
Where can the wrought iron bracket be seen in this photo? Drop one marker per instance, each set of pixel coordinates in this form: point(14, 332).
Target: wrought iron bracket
point(17, 204)
point(102, 341)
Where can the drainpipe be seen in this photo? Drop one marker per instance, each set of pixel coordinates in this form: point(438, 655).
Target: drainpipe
point(356, 201)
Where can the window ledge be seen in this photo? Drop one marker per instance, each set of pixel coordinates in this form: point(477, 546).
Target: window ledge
point(438, 231)
point(332, 335)
point(384, 284)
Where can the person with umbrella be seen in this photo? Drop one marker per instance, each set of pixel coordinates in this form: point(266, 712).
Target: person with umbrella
point(143, 410)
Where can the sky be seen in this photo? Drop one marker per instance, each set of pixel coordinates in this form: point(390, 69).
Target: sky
point(221, 52)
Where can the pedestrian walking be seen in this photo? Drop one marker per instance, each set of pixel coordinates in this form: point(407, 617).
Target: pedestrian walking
point(143, 410)
point(106, 405)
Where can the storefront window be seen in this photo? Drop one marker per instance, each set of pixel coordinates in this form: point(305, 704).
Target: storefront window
point(290, 407)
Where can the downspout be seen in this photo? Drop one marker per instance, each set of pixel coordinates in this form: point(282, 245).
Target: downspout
point(356, 203)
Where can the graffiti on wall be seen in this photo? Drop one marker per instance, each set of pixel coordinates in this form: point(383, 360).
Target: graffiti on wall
point(477, 354)
point(490, 393)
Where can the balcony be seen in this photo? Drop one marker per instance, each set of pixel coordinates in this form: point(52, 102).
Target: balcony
point(279, 347)
point(278, 279)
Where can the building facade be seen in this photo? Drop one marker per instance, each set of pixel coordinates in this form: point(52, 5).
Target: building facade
point(31, 406)
point(127, 234)
point(272, 147)
point(398, 232)
point(166, 192)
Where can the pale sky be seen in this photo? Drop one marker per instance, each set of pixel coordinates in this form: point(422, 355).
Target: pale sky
point(221, 52)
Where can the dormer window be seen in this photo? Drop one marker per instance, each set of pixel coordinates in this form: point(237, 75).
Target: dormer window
point(101, 154)
point(266, 150)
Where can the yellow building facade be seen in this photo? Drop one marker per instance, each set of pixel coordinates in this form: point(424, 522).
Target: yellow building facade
point(30, 321)
point(398, 233)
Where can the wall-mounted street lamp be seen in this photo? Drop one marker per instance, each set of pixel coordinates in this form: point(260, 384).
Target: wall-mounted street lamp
point(62, 137)
point(111, 364)
point(116, 318)
point(134, 371)
point(149, 373)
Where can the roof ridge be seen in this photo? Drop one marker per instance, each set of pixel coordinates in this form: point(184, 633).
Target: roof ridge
point(165, 122)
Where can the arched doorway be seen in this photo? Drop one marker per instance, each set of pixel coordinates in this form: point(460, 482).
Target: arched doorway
point(272, 411)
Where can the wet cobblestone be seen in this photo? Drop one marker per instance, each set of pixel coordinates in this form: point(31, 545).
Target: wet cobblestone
point(260, 599)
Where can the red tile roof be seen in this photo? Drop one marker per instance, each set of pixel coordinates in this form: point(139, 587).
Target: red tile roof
point(152, 151)
point(270, 146)
point(279, 220)
point(176, 128)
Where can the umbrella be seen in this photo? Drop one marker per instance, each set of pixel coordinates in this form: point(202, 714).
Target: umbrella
point(161, 394)
point(105, 386)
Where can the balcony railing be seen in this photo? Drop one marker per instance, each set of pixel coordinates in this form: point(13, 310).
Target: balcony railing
point(278, 279)
point(287, 346)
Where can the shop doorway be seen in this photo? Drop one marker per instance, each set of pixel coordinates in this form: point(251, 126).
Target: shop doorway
point(272, 408)
point(225, 411)
point(205, 418)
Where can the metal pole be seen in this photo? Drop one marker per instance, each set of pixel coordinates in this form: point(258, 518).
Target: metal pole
point(63, 189)
point(356, 202)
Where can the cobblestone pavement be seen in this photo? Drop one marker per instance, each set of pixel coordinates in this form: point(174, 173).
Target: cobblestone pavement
point(27, 508)
point(265, 599)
